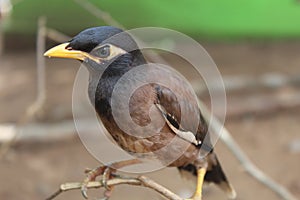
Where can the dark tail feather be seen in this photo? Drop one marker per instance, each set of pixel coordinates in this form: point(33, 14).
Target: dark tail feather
point(214, 174)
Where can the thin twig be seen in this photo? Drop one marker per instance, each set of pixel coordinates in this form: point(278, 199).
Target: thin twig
point(37, 106)
point(139, 181)
point(41, 68)
point(244, 159)
point(146, 182)
point(235, 83)
point(57, 36)
point(100, 14)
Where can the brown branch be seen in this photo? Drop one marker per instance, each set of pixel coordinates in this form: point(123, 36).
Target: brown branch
point(37, 106)
point(139, 181)
point(39, 103)
point(146, 182)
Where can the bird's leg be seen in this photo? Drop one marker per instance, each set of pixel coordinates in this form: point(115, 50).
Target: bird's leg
point(200, 179)
point(107, 173)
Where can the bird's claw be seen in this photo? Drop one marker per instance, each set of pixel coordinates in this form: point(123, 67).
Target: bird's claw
point(91, 176)
point(84, 192)
point(106, 172)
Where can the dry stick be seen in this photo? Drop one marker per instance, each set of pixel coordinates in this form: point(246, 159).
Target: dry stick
point(242, 82)
point(146, 182)
point(57, 36)
point(139, 181)
point(40, 100)
point(39, 103)
point(243, 158)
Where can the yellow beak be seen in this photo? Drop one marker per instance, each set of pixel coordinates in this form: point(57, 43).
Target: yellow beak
point(61, 51)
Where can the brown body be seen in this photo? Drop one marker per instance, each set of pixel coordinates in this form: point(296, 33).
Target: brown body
point(164, 145)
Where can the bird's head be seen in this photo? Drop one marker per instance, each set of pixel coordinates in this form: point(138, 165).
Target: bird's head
point(99, 47)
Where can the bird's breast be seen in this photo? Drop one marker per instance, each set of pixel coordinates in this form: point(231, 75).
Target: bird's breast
point(162, 142)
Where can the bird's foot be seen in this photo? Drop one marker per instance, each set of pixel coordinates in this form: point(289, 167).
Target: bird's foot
point(106, 172)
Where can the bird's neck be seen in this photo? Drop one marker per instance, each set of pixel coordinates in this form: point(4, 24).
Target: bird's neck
point(125, 63)
point(101, 85)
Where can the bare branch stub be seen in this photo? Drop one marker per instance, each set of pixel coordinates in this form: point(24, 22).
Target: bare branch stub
point(139, 181)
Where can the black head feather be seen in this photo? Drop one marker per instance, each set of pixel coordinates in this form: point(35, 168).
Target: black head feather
point(90, 38)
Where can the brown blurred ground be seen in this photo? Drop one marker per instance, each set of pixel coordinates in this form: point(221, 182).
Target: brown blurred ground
point(33, 170)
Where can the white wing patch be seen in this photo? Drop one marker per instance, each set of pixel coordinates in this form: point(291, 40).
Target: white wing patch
point(186, 135)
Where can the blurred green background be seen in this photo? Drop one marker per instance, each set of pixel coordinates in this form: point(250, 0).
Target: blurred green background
point(206, 18)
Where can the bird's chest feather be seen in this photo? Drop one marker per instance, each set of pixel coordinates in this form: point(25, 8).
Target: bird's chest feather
point(141, 105)
point(138, 106)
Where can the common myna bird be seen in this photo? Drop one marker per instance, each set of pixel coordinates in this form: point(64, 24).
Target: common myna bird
point(108, 58)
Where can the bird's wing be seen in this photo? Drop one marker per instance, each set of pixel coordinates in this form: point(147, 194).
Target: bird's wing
point(175, 127)
point(169, 106)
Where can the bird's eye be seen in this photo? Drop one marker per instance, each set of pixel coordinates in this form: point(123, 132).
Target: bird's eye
point(104, 51)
